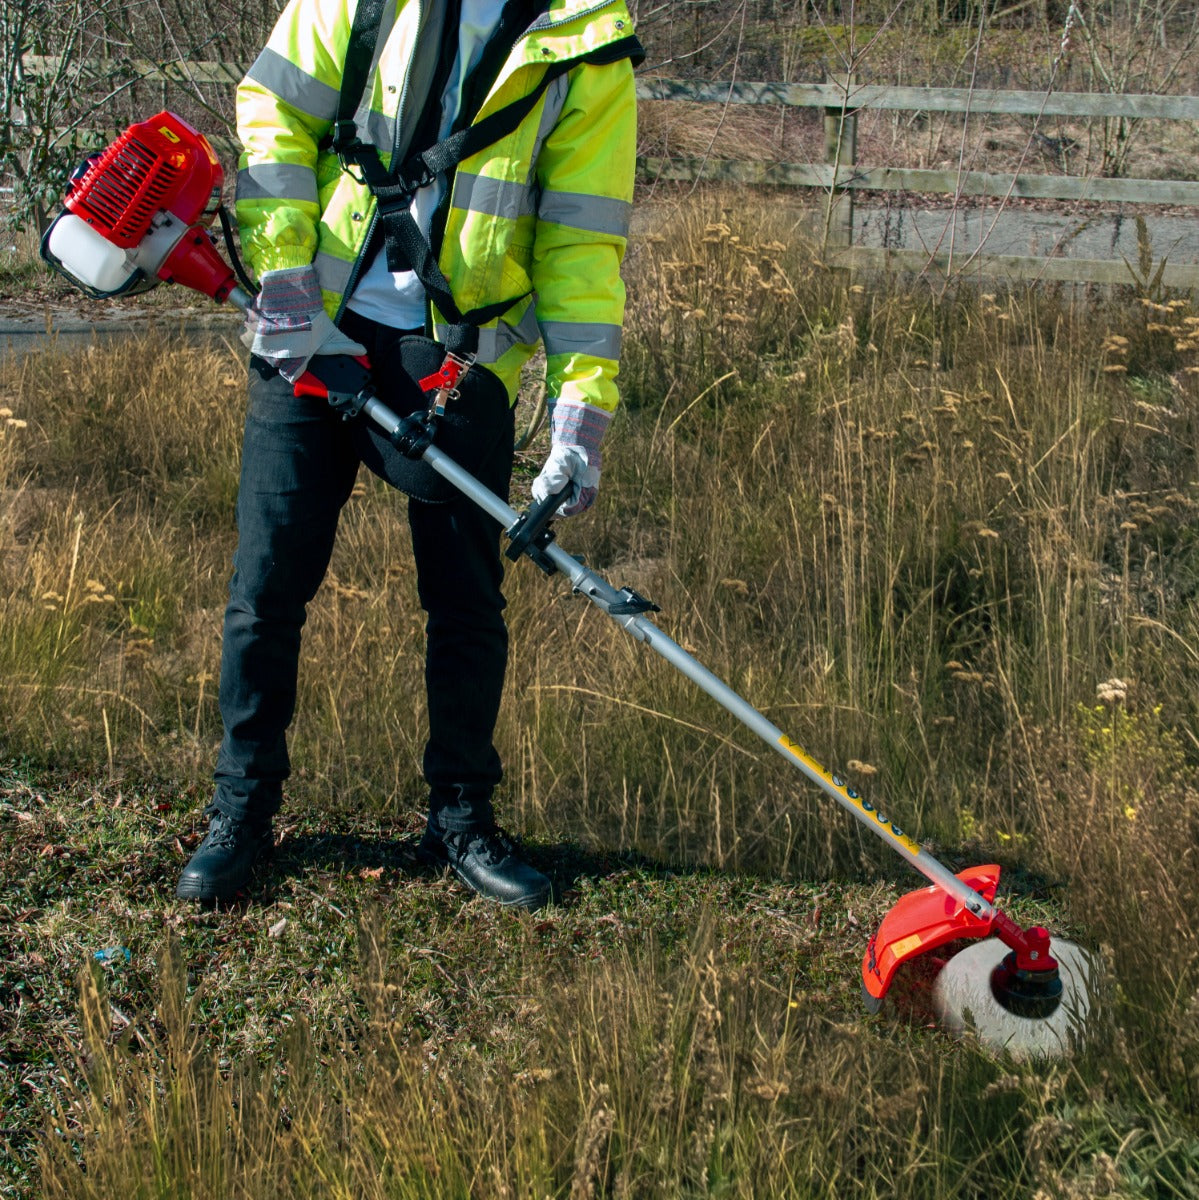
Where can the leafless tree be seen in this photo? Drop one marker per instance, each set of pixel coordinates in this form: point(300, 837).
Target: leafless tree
point(73, 70)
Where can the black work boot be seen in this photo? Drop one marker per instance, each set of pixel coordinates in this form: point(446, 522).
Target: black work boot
point(486, 861)
point(224, 861)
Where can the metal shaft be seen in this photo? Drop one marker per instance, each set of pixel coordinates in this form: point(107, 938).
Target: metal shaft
point(239, 298)
point(587, 583)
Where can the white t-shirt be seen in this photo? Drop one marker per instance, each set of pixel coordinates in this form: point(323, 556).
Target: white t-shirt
point(397, 298)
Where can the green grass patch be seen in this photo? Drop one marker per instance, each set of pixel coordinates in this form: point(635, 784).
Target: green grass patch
point(944, 540)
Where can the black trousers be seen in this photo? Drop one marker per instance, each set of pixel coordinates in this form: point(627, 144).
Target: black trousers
point(298, 468)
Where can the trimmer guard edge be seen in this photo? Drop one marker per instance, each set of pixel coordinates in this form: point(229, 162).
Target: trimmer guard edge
point(919, 922)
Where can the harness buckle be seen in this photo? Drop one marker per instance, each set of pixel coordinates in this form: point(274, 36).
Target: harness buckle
point(443, 383)
point(348, 147)
point(422, 178)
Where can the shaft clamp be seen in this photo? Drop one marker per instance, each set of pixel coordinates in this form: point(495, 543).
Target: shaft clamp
point(630, 604)
point(414, 434)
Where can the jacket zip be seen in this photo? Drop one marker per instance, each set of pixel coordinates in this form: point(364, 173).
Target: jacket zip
point(545, 22)
point(404, 87)
point(539, 26)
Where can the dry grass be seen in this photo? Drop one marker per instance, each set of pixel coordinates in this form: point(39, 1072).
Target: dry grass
point(645, 1079)
point(944, 539)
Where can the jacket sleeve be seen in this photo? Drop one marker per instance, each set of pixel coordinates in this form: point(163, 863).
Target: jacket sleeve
point(585, 177)
point(285, 105)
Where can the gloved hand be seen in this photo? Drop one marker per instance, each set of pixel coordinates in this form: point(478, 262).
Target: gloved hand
point(576, 431)
point(287, 323)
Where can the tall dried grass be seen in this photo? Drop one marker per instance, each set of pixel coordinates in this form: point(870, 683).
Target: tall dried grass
point(946, 541)
point(918, 531)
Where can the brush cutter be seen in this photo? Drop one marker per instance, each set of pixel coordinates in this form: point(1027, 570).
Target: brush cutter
point(138, 213)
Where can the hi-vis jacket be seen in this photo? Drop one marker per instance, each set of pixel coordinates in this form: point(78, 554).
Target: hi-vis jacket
point(544, 210)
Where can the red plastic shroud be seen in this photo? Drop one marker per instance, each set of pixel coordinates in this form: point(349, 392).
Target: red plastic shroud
point(922, 921)
point(156, 166)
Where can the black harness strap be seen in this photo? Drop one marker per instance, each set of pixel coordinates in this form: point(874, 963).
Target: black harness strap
point(406, 247)
point(360, 52)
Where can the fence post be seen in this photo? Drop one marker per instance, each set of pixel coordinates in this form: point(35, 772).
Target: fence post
point(840, 150)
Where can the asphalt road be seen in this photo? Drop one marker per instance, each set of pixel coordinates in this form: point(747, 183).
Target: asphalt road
point(20, 335)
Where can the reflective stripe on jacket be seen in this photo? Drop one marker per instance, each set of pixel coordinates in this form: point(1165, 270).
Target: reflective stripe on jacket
point(544, 210)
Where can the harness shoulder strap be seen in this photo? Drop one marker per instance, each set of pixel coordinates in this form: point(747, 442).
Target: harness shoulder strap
point(426, 165)
point(360, 52)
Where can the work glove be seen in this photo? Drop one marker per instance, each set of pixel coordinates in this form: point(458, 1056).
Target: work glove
point(576, 431)
point(287, 323)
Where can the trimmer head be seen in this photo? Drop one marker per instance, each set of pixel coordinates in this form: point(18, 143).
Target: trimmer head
point(1020, 992)
point(977, 992)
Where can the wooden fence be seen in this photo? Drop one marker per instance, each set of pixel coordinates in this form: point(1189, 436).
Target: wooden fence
point(841, 177)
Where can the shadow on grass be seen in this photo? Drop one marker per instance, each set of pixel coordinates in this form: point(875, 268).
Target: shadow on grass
point(566, 863)
point(572, 866)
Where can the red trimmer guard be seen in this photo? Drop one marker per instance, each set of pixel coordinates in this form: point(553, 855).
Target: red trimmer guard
point(919, 922)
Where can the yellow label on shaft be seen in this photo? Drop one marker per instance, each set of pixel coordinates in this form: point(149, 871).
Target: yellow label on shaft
point(863, 806)
point(794, 748)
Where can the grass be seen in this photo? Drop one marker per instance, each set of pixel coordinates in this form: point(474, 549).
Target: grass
point(944, 540)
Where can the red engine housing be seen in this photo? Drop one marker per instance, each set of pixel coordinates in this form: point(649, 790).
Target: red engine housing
point(158, 166)
point(162, 164)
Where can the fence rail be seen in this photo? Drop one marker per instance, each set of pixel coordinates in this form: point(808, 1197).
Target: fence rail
point(180, 71)
point(927, 99)
point(910, 179)
point(1141, 106)
point(841, 177)
point(1183, 276)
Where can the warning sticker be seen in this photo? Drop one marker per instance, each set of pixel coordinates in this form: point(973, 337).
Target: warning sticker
point(877, 819)
point(906, 946)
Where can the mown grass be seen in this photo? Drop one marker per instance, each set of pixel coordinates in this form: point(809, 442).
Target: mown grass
point(946, 541)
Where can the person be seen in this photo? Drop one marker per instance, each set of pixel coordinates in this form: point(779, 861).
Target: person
point(534, 224)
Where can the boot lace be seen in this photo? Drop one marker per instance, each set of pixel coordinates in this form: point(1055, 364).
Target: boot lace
point(492, 846)
point(224, 830)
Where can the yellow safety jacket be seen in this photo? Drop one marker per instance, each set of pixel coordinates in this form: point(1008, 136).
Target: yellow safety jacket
point(544, 211)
